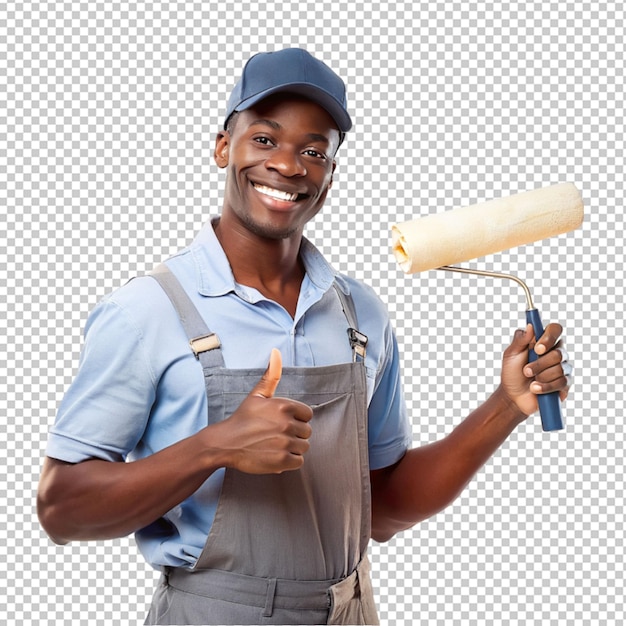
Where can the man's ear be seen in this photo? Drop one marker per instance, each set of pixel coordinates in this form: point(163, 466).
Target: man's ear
point(222, 147)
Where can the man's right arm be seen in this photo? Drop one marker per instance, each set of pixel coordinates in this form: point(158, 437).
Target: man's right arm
point(98, 499)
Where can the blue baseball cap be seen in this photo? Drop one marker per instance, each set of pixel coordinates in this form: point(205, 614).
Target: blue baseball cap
point(295, 71)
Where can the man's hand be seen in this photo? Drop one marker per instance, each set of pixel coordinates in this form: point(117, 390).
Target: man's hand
point(265, 434)
point(522, 381)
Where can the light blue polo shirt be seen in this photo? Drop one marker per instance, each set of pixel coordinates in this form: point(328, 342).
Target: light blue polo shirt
point(139, 388)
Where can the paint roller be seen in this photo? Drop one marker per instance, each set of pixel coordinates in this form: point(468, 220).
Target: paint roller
point(441, 240)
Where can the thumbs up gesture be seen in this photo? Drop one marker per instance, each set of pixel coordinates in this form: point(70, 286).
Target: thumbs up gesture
point(267, 434)
point(266, 387)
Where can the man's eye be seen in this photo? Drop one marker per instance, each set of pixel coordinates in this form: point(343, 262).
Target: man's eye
point(314, 153)
point(263, 140)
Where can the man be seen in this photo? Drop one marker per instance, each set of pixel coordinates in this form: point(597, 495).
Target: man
point(256, 490)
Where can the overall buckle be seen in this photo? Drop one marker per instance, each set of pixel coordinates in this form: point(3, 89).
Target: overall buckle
point(204, 344)
point(358, 342)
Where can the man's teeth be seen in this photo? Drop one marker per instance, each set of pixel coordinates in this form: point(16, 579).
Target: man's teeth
point(276, 193)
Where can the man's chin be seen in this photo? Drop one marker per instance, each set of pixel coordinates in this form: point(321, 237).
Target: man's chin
point(271, 231)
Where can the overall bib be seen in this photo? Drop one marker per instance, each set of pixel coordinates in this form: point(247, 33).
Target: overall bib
point(287, 548)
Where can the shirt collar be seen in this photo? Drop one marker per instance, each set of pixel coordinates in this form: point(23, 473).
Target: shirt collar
point(215, 276)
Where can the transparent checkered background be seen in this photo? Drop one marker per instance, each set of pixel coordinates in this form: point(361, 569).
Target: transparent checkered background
point(108, 113)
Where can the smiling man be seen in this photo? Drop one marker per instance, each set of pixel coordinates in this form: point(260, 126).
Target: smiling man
point(256, 489)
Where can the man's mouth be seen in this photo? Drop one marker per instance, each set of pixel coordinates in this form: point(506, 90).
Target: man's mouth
point(277, 194)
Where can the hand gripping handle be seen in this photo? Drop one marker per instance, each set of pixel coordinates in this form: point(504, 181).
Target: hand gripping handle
point(549, 403)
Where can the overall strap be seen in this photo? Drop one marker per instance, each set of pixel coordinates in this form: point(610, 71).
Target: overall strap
point(358, 341)
point(204, 344)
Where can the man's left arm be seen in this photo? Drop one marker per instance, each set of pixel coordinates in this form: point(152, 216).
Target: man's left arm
point(429, 478)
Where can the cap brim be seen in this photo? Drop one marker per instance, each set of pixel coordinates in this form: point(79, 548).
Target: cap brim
point(315, 94)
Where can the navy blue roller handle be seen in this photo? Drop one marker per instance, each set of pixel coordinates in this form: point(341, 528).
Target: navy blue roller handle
point(549, 403)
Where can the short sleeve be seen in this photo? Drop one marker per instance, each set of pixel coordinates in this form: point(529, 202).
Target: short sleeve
point(106, 408)
point(390, 433)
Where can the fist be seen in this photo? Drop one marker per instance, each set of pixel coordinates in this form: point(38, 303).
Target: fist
point(522, 380)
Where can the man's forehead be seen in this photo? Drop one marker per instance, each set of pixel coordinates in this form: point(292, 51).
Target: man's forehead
point(275, 112)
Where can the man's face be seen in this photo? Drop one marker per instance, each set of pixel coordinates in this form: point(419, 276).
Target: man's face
point(280, 164)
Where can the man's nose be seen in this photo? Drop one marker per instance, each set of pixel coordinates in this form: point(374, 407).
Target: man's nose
point(286, 162)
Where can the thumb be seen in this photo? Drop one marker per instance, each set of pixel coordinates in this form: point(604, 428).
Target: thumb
point(266, 387)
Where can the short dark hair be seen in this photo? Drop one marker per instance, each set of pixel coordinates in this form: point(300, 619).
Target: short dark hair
point(231, 121)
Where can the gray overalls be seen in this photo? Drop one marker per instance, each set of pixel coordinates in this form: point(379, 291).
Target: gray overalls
point(287, 548)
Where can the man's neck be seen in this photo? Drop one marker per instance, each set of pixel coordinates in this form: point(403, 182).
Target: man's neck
point(272, 266)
